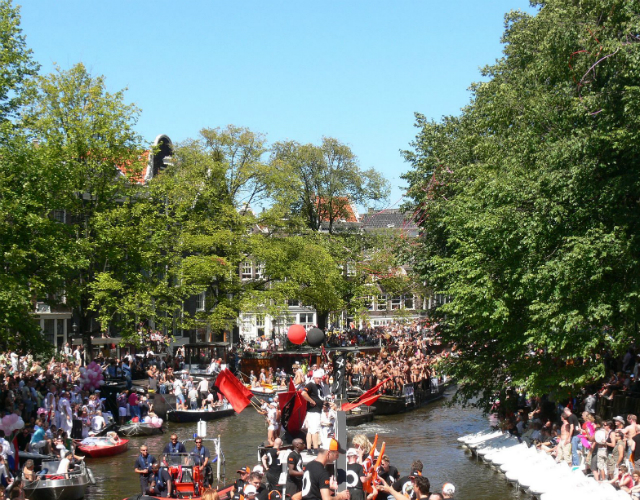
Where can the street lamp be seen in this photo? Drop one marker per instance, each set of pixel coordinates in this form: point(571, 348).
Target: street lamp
point(74, 329)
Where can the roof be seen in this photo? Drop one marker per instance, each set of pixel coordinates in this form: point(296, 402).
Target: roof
point(343, 210)
point(391, 218)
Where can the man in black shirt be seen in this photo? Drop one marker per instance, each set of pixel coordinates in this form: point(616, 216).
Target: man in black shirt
point(314, 396)
point(271, 463)
point(388, 472)
point(574, 432)
point(143, 467)
point(355, 475)
point(174, 446)
point(316, 481)
point(162, 480)
point(238, 486)
point(405, 484)
point(295, 466)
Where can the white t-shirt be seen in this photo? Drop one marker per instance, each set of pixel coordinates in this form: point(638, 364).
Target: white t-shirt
point(203, 386)
point(63, 468)
point(177, 388)
point(97, 423)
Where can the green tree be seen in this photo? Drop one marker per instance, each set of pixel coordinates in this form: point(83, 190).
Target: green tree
point(329, 180)
point(528, 203)
point(83, 135)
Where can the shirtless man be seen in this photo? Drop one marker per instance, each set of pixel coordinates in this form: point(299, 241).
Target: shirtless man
point(564, 444)
point(298, 376)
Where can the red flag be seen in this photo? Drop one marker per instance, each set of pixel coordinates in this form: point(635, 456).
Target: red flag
point(368, 398)
point(297, 415)
point(373, 390)
point(292, 387)
point(238, 395)
point(368, 401)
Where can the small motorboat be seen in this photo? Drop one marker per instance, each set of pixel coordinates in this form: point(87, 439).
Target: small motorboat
point(52, 486)
point(96, 447)
point(267, 391)
point(139, 429)
point(197, 415)
point(188, 478)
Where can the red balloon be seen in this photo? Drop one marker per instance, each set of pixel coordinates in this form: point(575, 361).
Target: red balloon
point(296, 334)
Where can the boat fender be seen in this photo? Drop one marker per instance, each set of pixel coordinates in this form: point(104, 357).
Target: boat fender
point(91, 478)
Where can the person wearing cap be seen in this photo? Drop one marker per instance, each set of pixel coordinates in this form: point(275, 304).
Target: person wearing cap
point(273, 422)
point(317, 482)
point(448, 490)
point(314, 397)
point(355, 475)
point(406, 484)
point(295, 467)
point(250, 492)
point(238, 486)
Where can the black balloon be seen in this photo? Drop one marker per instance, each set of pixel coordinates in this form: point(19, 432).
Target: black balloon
point(315, 337)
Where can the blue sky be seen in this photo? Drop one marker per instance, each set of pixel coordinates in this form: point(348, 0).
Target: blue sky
point(354, 70)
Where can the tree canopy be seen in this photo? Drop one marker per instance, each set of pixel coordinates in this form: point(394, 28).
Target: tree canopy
point(528, 203)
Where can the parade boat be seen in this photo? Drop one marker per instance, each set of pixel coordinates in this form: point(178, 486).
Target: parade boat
point(410, 399)
point(139, 429)
point(188, 478)
point(181, 416)
point(51, 486)
point(97, 447)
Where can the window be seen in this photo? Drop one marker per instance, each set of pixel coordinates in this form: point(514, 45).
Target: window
point(396, 302)
point(245, 270)
point(382, 302)
point(201, 301)
point(260, 320)
point(60, 216)
point(293, 303)
point(50, 330)
point(306, 319)
point(408, 302)
point(351, 268)
point(369, 302)
point(260, 270)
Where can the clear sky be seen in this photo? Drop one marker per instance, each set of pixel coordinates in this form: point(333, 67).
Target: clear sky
point(356, 70)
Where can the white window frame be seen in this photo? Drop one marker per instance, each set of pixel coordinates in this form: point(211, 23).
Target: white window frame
point(381, 302)
point(396, 303)
point(259, 270)
point(351, 269)
point(246, 270)
point(201, 304)
point(413, 302)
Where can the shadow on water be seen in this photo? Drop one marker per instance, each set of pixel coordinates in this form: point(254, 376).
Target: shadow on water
point(428, 434)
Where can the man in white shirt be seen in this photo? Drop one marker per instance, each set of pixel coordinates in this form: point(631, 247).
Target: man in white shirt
point(97, 423)
point(63, 467)
point(177, 392)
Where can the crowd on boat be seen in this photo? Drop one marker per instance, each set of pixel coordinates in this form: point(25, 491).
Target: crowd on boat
point(283, 471)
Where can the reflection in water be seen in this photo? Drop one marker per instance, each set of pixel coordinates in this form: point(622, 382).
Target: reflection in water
point(428, 434)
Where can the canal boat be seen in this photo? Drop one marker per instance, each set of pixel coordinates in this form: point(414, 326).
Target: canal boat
point(266, 391)
point(188, 478)
point(97, 447)
point(360, 415)
point(410, 399)
point(139, 429)
point(51, 486)
point(181, 416)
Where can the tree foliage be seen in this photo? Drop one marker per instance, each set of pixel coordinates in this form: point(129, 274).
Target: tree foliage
point(528, 203)
point(329, 180)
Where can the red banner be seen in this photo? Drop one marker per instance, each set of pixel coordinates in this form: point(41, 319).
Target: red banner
point(367, 398)
point(236, 393)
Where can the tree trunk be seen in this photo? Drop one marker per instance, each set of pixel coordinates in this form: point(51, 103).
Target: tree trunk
point(322, 320)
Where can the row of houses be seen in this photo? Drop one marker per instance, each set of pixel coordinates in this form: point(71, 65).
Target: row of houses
point(58, 322)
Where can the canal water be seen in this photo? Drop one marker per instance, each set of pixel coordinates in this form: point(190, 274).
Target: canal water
point(428, 434)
